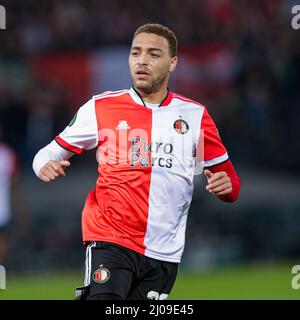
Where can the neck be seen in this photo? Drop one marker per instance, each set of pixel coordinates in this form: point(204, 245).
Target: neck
point(153, 97)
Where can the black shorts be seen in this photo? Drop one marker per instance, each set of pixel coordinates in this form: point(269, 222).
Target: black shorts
point(113, 270)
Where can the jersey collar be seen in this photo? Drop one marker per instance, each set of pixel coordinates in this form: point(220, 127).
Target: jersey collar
point(139, 100)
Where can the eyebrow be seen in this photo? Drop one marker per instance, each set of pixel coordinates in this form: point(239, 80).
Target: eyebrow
point(151, 48)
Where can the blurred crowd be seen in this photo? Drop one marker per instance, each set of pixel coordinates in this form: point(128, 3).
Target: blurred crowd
point(36, 26)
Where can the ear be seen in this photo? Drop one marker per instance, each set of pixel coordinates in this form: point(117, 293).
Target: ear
point(173, 64)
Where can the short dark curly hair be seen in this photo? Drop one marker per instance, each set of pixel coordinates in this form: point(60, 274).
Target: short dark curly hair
point(162, 31)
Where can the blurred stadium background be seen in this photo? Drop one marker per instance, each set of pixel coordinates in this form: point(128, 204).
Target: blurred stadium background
point(239, 58)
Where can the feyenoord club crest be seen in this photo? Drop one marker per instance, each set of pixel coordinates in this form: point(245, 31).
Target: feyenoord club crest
point(181, 126)
point(101, 275)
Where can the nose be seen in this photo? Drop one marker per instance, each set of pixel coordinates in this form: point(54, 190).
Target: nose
point(143, 59)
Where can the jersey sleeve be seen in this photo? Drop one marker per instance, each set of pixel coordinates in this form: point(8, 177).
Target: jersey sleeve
point(82, 132)
point(52, 151)
point(228, 167)
point(214, 152)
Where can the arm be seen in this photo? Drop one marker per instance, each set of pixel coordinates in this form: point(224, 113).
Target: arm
point(51, 161)
point(80, 135)
point(223, 181)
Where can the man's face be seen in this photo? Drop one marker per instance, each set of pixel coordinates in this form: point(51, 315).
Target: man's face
point(150, 62)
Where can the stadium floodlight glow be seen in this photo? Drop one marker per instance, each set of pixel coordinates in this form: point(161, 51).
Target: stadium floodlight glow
point(2, 278)
point(2, 17)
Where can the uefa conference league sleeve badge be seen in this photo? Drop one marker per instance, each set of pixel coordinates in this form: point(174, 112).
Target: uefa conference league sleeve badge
point(73, 120)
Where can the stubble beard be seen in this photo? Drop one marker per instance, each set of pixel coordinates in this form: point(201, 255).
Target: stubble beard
point(151, 86)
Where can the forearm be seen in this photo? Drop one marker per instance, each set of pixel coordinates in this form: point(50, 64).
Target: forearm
point(51, 152)
point(235, 180)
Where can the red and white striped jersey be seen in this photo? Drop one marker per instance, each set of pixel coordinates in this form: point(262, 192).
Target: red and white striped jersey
point(147, 159)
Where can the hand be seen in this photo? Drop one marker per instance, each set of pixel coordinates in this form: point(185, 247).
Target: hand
point(53, 169)
point(218, 183)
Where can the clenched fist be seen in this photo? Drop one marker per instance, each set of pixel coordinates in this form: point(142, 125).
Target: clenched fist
point(53, 169)
point(218, 183)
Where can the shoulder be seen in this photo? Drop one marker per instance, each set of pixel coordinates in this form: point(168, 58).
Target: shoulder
point(110, 95)
point(178, 98)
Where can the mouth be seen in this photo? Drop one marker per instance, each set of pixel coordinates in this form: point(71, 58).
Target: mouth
point(142, 73)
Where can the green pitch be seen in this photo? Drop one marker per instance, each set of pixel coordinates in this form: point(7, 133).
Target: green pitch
point(252, 282)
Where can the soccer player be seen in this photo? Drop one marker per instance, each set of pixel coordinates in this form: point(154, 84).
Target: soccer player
point(148, 142)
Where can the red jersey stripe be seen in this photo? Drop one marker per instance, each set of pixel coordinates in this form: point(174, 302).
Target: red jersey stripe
point(117, 210)
point(68, 146)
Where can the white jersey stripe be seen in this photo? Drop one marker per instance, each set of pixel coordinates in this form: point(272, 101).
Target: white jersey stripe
point(88, 263)
point(167, 215)
point(109, 94)
point(217, 160)
point(175, 96)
